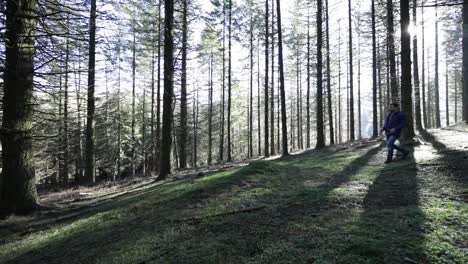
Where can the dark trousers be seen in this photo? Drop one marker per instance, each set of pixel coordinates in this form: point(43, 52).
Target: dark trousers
point(391, 146)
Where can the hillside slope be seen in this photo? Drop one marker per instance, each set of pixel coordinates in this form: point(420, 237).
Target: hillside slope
point(337, 205)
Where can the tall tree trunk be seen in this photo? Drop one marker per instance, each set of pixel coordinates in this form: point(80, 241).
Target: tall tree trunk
point(284, 128)
point(17, 181)
point(456, 96)
point(417, 98)
point(351, 91)
point(465, 63)
point(183, 128)
point(64, 176)
point(329, 93)
point(152, 163)
point(395, 97)
point(251, 89)
point(210, 111)
point(143, 132)
point(320, 134)
point(308, 84)
point(119, 119)
point(430, 121)
point(340, 131)
point(90, 177)
point(436, 77)
point(359, 88)
point(79, 151)
point(165, 166)
point(406, 88)
point(266, 144)
point(447, 109)
point(375, 131)
point(157, 153)
point(223, 88)
point(272, 93)
point(195, 130)
point(423, 73)
point(133, 97)
point(229, 150)
point(259, 129)
point(379, 83)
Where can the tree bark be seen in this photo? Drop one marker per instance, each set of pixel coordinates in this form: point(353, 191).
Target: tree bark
point(272, 90)
point(351, 85)
point(133, 97)
point(417, 97)
point(436, 77)
point(183, 128)
point(329, 93)
point(90, 177)
point(284, 128)
point(266, 144)
point(423, 72)
point(395, 97)
point(229, 150)
point(375, 127)
point(17, 181)
point(465, 63)
point(308, 84)
point(168, 96)
point(319, 117)
point(210, 111)
point(406, 88)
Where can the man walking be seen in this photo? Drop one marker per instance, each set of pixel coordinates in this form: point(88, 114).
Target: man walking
point(394, 123)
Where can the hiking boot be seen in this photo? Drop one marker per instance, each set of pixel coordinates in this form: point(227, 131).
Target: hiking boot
point(388, 161)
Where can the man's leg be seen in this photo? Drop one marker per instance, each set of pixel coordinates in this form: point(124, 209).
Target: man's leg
point(390, 146)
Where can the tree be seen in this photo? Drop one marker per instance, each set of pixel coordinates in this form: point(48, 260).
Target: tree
point(320, 134)
point(406, 88)
point(329, 92)
point(266, 145)
point(183, 128)
point(284, 127)
point(374, 74)
point(465, 63)
point(166, 140)
point(351, 92)
point(17, 181)
point(436, 77)
point(417, 98)
point(89, 177)
point(229, 151)
point(395, 97)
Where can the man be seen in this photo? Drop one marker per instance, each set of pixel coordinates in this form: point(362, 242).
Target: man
point(394, 123)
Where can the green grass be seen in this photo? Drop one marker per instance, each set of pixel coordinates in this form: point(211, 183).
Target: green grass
point(319, 207)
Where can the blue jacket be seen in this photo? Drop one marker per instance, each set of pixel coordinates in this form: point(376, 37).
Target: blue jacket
point(397, 120)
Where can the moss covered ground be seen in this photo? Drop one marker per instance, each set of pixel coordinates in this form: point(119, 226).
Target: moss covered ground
point(336, 205)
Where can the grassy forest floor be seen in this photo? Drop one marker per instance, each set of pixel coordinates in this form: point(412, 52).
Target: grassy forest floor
point(341, 204)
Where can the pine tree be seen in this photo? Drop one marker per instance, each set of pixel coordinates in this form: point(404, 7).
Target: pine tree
point(168, 96)
point(17, 181)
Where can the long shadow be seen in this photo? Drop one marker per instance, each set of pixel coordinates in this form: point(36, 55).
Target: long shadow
point(233, 240)
point(390, 228)
point(455, 161)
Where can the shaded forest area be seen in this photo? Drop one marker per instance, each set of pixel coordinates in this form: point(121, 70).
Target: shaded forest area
point(107, 90)
point(219, 131)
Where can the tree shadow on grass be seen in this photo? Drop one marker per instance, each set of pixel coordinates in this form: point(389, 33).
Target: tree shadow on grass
point(157, 233)
point(455, 162)
point(390, 228)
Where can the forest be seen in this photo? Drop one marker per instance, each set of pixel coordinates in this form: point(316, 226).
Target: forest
point(222, 131)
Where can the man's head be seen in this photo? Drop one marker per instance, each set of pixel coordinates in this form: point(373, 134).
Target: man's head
point(394, 107)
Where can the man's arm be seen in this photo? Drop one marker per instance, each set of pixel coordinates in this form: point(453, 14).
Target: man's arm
point(403, 122)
